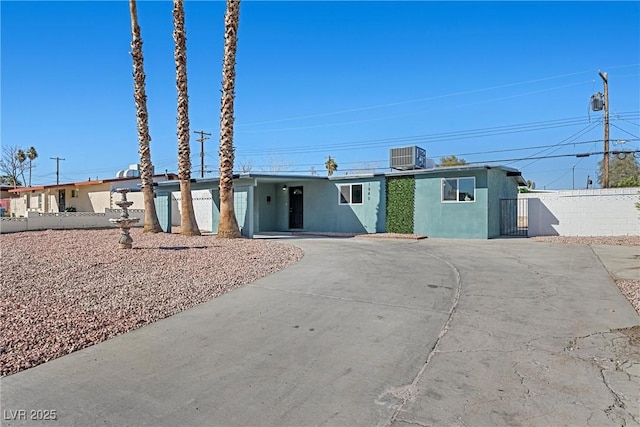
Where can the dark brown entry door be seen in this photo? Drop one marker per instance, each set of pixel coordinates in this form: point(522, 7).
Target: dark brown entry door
point(295, 207)
point(61, 203)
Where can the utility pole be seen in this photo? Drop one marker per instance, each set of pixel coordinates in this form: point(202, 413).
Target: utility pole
point(57, 159)
point(605, 166)
point(573, 177)
point(202, 139)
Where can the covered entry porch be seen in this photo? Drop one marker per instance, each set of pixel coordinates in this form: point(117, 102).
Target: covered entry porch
point(263, 203)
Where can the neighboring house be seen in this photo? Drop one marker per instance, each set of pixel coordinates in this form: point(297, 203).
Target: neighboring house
point(454, 202)
point(5, 200)
point(85, 196)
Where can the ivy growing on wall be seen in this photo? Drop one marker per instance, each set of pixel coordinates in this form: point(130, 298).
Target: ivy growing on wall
point(400, 204)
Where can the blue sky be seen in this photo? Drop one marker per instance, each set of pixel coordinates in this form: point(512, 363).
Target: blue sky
point(346, 79)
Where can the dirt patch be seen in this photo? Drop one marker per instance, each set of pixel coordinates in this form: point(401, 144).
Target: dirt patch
point(633, 333)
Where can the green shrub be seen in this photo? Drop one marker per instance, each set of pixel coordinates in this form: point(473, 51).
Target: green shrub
point(400, 196)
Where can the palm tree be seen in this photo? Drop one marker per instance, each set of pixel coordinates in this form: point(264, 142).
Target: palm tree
point(151, 223)
point(21, 157)
point(32, 154)
point(228, 225)
point(331, 166)
point(188, 224)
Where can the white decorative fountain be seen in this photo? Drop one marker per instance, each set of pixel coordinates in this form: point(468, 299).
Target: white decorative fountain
point(124, 222)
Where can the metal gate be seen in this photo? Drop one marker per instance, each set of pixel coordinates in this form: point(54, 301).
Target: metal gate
point(514, 217)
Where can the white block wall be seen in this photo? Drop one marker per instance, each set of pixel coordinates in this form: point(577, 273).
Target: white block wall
point(594, 212)
point(202, 206)
point(66, 220)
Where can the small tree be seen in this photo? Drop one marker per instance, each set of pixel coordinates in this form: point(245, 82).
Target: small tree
point(624, 170)
point(331, 166)
point(10, 167)
point(452, 161)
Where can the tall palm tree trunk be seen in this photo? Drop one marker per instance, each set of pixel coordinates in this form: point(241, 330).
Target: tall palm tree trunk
point(228, 226)
point(188, 224)
point(32, 154)
point(151, 223)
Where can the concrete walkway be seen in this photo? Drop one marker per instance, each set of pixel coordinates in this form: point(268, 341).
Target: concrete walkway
point(368, 332)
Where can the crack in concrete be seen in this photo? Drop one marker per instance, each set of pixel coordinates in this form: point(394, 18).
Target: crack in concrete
point(415, 423)
point(410, 391)
point(608, 364)
point(479, 351)
point(522, 378)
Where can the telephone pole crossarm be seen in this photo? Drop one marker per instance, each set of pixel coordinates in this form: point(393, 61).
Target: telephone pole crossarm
point(57, 159)
point(202, 139)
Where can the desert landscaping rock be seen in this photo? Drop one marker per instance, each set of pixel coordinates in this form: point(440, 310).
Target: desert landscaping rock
point(64, 290)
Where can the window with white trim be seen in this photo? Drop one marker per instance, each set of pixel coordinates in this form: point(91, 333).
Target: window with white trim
point(456, 190)
point(75, 194)
point(350, 194)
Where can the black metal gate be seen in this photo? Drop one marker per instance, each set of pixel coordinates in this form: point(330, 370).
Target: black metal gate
point(514, 217)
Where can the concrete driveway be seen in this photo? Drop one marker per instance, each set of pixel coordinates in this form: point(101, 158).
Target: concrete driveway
point(367, 332)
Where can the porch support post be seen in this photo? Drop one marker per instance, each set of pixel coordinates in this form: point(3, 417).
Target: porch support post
point(250, 208)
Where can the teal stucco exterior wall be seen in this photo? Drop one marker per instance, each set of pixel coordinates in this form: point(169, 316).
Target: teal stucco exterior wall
point(163, 210)
point(321, 210)
point(467, 220)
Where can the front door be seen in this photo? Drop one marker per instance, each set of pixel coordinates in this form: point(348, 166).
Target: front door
point(295, 207)
point(61, 206)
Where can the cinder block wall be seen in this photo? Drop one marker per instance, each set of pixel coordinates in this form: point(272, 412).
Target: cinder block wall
point(594, 212)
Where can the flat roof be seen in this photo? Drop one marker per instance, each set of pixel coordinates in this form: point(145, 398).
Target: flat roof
point(201, 183)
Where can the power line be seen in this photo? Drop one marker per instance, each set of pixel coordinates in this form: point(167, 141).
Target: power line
point(387, 117)
point(618, 127)
point(635, 153)
point(392, 104)
point(429, 138)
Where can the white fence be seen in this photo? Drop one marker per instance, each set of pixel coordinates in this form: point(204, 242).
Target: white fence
point(202, 206)
point(66, 220)
point(594, 212)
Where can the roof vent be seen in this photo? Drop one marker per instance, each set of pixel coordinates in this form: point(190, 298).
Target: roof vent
point(406, 158)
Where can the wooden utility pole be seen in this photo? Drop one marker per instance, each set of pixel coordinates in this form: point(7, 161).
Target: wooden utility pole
point(202, 139)
point(57, 159)
point(605, 166)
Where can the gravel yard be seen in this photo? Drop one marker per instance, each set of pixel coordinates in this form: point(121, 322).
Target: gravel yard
point(65, 290)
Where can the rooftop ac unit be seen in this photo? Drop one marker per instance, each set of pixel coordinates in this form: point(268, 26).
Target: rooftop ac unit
point(406, 158)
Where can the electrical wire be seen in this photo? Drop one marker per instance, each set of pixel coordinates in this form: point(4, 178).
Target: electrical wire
point(618, 127)
point(427, 138)
point(392, 104)
point(388, 117)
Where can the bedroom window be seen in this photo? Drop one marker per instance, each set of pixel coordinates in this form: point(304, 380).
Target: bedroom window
point(350, 194)
point(458, 190)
